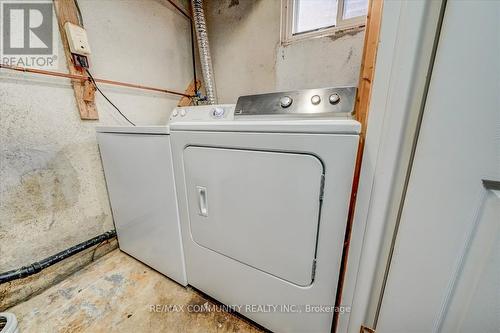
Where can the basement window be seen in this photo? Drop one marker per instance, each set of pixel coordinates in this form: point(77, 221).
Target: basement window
point(302, 19)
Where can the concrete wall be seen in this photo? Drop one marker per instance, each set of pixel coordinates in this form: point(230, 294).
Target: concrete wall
point(248, 56)
point(52, 189)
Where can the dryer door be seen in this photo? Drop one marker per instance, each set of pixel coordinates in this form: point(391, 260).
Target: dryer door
point(260, 208)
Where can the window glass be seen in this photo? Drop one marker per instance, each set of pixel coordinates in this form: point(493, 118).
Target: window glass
point(354, 8)
point(314, 14)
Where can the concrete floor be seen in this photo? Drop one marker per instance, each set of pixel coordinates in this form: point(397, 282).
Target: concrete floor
point(116, 294)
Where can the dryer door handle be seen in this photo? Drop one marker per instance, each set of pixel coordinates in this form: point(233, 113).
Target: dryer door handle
point(202, 201)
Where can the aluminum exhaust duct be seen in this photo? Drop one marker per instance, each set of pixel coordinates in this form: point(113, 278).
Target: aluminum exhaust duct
point(200, 26)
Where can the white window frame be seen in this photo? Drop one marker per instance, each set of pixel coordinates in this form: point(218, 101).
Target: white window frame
point(287, 35)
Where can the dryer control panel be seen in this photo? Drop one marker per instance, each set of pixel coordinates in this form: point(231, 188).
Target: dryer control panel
point(324, 102)
point(203, 113)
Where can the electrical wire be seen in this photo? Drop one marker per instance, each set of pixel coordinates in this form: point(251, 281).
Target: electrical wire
point(80, 20)
point(80, 16)
point(103, 95)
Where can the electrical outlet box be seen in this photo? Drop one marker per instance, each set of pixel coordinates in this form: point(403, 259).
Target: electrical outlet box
point(77, 39)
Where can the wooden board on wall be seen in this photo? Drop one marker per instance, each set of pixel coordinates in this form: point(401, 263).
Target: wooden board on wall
point(66, 12)
point(368, 59)
point(187, 101)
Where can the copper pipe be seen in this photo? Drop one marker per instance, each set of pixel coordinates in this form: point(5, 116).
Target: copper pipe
point(138, 86)
point(44, 72)
point(86, 78)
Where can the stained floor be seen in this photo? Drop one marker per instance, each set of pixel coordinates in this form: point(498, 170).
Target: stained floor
point(119, 294)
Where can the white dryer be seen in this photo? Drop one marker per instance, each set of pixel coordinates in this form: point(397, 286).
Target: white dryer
point(263, 191)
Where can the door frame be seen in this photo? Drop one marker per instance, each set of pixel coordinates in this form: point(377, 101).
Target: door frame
point(408, 39)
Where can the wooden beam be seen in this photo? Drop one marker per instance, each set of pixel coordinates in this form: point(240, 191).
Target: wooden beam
point(66, 12)
point(187, 101)
point(361, 109)
point(368, 60)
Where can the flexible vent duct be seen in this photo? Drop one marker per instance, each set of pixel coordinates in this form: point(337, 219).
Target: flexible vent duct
point(200, 26)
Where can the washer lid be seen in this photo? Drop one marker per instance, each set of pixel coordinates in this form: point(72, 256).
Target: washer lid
point(134, 129)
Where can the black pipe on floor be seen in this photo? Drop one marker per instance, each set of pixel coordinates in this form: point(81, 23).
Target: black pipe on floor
point(42, 264)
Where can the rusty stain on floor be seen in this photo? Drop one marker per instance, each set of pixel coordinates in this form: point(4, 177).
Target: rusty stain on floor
point(119, 294)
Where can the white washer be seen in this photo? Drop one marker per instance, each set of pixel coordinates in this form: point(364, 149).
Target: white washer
point(137, 164)
point(263, 202)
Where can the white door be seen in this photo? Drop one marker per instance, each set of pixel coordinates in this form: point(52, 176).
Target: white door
point(445, 270)
point(259, 208)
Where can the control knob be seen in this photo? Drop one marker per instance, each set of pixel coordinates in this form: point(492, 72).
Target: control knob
point(334, 98)
point(286, 101)
point(218, 112)
point(315, 100)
